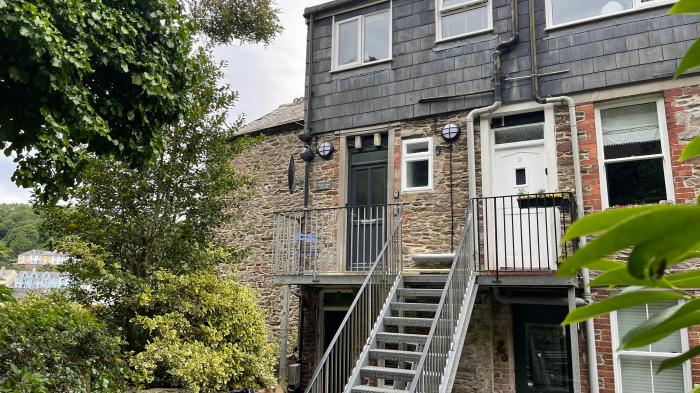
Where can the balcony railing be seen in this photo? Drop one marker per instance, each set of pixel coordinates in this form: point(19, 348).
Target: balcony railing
point(522, 233)
point(332, 240)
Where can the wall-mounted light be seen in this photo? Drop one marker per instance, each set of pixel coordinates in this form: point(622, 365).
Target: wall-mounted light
point(358, 142)
point(450, 132)
point(325, 150)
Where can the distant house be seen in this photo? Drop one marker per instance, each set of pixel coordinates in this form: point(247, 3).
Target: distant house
point(7, 277)
point(41, 257)
point(35, 281)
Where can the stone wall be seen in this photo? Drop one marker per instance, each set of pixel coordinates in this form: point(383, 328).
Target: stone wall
point(251, 228)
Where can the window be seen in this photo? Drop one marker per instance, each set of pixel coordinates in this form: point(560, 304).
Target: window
point(635, 370)
point(563, 12)
point(633, 154)
point(459, 18)
point(417, 164)
point(364, 39)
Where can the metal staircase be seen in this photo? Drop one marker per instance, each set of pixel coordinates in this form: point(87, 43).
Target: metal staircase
point(412, 338)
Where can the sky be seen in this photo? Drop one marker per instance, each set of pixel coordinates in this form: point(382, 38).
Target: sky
point(264, 77)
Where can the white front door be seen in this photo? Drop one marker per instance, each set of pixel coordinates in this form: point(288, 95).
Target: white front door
point(519, 238)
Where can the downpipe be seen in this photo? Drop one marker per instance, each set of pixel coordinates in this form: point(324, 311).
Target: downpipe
point(578, 185)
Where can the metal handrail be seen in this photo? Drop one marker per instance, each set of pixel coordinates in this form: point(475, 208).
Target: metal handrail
point(442, 336)
point(338, 362)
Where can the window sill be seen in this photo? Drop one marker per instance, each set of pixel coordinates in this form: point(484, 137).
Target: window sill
point(363, 65)
point(608, 16)
point(416, 190)
point(466, 35)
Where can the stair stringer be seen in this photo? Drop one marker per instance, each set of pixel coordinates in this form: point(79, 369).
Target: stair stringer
point(378, 327)
point(460, 335)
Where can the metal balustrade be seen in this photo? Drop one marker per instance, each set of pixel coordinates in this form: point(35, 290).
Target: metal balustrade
point(443, 344)
point(361, 321)
point(332, 240)
point(522, 233)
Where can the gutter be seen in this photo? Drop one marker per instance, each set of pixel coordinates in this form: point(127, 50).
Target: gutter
point(591, 351)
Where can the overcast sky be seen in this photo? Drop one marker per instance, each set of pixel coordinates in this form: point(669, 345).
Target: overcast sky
point(264, 77)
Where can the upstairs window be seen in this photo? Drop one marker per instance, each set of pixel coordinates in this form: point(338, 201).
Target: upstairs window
point(563, 12)
point(417, 164)
point(363, 39)
point(460, 18)
point(633, 146)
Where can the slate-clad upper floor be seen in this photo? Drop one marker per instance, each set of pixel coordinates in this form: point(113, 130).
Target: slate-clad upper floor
point(628, 47)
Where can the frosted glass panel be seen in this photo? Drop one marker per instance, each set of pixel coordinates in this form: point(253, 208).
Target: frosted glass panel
point(564, 11)
point(464, 22)
point(630, 124)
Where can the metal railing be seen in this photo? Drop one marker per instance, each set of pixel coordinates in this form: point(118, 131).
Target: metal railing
point(449, 318)
point(355, 332)
point(332, 240)
point(522, 233)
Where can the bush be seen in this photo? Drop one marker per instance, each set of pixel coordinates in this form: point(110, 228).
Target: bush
point(207, 334)
point(48, 343)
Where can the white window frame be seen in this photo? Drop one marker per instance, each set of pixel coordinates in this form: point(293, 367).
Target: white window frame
point(665, 154)
point(637, 6)
point(468, 4)
point(361, 41)
point(412, 157)
point(617, 354)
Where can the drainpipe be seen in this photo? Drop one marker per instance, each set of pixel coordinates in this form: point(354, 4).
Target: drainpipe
point(498, 95)
point(578, 184)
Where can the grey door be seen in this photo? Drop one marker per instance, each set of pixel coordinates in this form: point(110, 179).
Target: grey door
point(366, 209)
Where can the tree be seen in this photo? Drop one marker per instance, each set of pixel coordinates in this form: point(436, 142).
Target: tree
point(48, 344)
point(81, 79)
point(19, 232)
point(207, 334)
point(658, 238)
point(135, 232)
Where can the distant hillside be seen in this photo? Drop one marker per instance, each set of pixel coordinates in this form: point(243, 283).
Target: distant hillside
point(19, 231)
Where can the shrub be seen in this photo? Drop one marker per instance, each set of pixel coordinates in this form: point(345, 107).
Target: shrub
point(48, 343)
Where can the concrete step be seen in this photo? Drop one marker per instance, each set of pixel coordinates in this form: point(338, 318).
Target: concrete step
point(405, 321)
point(401, 338)
point(387, 373)
point(398, 306)
point(390, 354)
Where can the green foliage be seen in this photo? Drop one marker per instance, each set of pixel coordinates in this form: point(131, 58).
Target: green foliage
point(145, 242)
point(691, 59)
point(19, 232)
point(48, 343)
point(207, 334)
point(226, 21)
point(659, 238)
point(88, 77)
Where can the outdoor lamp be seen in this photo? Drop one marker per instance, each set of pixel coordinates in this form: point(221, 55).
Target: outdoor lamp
point(325, 150)
point(450, 132)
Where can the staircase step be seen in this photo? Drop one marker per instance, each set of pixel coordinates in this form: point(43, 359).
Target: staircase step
point(374, 389)
point(404, 321)
point(425, 278)
point(387, 373)
point(390, 354)
point(401, 338)
point(419, 292)
point(397, 306)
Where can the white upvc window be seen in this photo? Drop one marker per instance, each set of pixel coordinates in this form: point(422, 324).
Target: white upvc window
point(568, 12)
point(417, 164)
point(462, 18)
point(362, 40)
point(635, 370)
point(633, 153)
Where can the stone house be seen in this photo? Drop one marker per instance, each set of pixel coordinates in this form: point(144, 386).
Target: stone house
point(408, 216)
point(41, 257)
